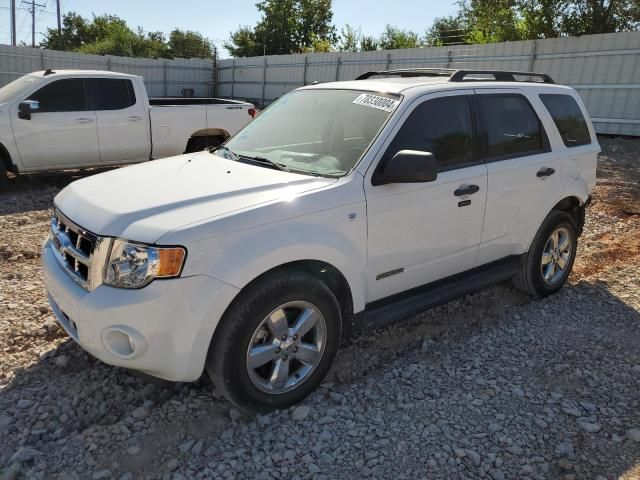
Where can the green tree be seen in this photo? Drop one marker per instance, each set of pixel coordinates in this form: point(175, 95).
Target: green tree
point(243, 43)
point(450, 30)
point(110, 35)
point(189, 44)
point(585, 17)
point(394, 37)
point(286, 26)
point(492, 20)
point(314, 24)
point(369, 43)
point(349, 39)
point(75, 33)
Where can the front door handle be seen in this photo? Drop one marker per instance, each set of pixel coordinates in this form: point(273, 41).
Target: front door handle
point(466, 190)
point(545, 172)
point(83, 120)
point(134, 118)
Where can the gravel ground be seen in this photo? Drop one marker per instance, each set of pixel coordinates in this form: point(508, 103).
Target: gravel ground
point(495, 385)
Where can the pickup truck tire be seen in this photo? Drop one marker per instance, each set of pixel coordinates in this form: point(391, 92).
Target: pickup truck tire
point(276, 342)
point(197, 144)
point(548, 263)
point(4, 180)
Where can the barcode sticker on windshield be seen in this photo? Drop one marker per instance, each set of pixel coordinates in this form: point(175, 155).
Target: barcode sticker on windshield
point(376, 101)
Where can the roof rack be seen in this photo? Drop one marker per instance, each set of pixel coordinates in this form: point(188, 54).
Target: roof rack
point(459, 75)
point(498, 76)
point(410, 72)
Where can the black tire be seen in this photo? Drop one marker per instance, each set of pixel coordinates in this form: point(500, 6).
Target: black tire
point(197, 144)
point(4, 179)
point(530, 278)
point(227, 358)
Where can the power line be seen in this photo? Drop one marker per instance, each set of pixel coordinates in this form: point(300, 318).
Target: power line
point(32, 10)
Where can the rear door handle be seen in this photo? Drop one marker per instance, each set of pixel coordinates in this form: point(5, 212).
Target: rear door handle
point(545, 172)
point(466, 190)
point(134, 118)
point(83, 120)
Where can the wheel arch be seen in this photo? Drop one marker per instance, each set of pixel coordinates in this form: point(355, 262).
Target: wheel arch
point(571, 203)
point(325, 272)
point(5, 160)
point(211, 132)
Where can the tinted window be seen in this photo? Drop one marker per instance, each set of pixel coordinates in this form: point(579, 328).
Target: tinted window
point(110, 93)
point(66, 95)
point(441, 126)
point(510, 128)
point(568, 118)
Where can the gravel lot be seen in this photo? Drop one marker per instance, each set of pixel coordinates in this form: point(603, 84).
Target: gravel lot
point(495, 385)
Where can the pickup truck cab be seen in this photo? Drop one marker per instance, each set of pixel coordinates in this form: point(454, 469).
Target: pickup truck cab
point(67, 119)
point(343, 206)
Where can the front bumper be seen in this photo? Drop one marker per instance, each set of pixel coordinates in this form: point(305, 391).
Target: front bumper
point(163, 329)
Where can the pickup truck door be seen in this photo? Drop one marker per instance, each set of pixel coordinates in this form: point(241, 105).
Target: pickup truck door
point(62, 133)
point(524, 175)
point(123, 121)
point(422, 232)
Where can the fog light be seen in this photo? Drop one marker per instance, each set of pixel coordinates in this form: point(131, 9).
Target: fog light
point(124, 342)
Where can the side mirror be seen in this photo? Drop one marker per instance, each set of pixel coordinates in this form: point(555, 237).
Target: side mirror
point(408, 166)
point(26, 108)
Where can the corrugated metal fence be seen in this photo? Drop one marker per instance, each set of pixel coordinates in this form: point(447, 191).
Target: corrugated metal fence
point(162, 77)
point(605, 69)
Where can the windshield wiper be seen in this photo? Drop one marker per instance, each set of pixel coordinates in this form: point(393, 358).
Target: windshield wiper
point(275, 165)
point(232, 154)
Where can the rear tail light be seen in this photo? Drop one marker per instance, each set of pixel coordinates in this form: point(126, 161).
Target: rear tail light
point(252, 112)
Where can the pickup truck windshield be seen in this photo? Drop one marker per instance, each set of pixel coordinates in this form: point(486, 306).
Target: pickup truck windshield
point(318, 132)
point(9, 91)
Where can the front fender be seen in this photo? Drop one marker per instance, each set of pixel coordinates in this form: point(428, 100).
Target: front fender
point(336, 237)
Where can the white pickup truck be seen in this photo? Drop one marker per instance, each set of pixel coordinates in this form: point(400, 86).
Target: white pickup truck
point(67, 119)
point(343, 206)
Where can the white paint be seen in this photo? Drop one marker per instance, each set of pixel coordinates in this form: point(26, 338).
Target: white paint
point(238, 221)
point(63, 140)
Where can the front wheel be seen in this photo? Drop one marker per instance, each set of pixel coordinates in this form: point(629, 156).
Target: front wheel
point(549, 261)
point(276, 343)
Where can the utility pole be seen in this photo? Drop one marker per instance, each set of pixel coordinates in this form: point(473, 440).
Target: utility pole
point(59, 25)
point(13, 22)
point(32, 10)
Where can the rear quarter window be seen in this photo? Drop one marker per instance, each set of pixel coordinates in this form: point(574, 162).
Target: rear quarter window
point(568, 118)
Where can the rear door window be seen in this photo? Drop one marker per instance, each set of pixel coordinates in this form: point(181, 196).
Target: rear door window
point(510, 127)
point(110, 93)
point(65, 95)
point(568, 118)
point(442, 126)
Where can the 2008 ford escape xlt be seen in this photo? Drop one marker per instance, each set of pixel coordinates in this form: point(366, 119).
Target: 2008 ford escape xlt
point(343, 206)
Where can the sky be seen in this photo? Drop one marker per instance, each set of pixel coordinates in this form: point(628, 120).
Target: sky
point(216, 18)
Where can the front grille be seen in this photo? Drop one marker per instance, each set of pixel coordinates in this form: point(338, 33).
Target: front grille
point(76, 250)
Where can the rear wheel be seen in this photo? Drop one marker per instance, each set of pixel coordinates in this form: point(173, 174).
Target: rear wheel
point(549, 261)
point(276, 342)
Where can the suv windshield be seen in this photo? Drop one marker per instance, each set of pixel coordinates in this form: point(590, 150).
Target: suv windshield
point(318, 132)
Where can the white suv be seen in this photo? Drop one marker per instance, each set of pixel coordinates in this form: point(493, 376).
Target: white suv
point(343, 206)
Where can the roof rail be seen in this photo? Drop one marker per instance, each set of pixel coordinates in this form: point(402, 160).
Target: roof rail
point(410, 72)
point(458, 75)
point(498, 76)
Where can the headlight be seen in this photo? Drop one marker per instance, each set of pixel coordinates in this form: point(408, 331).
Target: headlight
point(133, 265)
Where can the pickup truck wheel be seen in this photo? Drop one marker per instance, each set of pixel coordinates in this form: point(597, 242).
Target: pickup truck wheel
point(548, 264)
point(276, 342)
point(4, 180)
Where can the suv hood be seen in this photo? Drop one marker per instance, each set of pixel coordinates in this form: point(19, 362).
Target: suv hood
point(143, 202)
